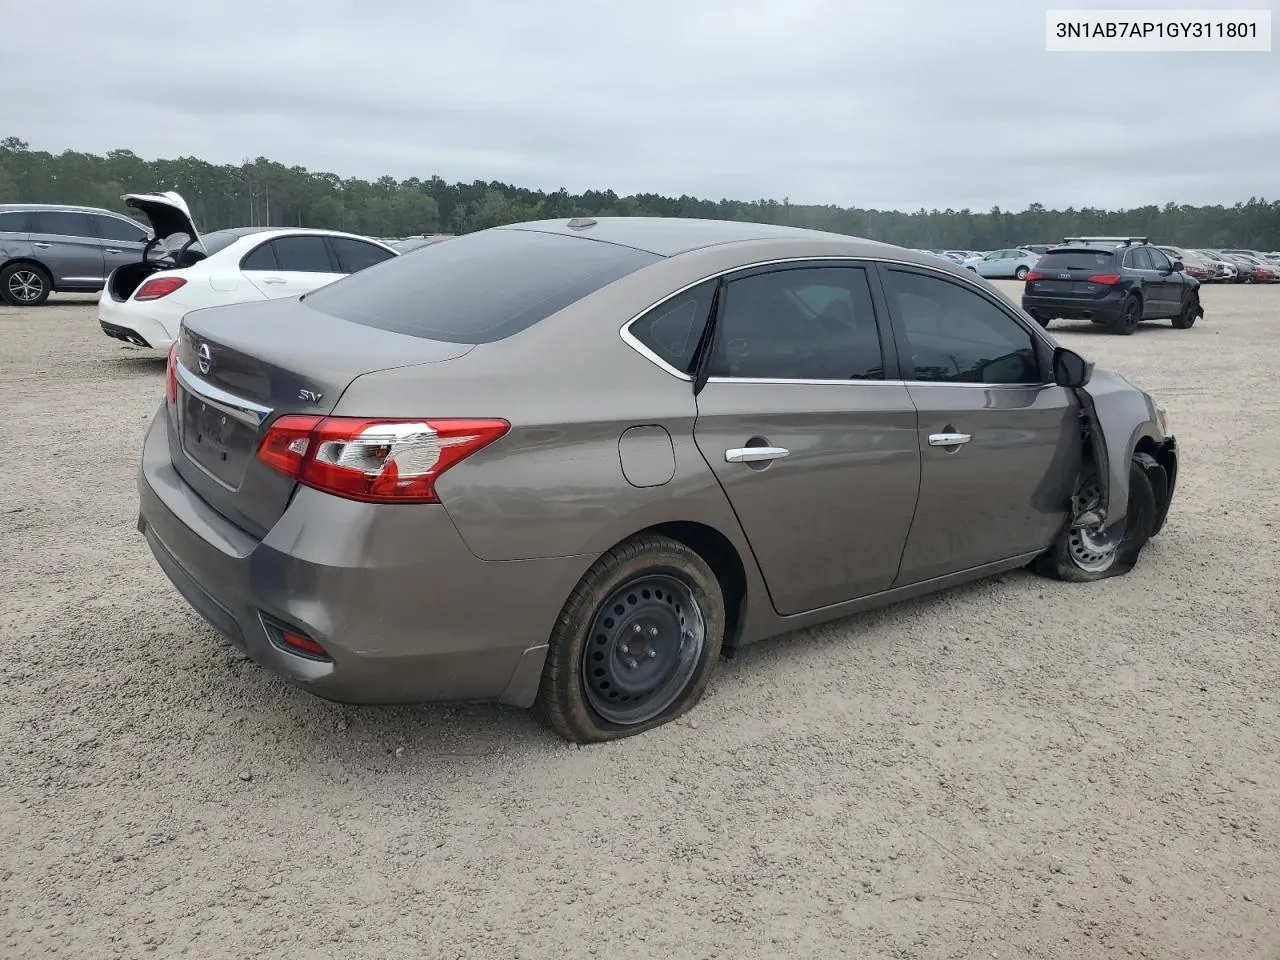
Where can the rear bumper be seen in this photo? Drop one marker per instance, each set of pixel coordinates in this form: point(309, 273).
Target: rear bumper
point(137, 323)
point(1073, 308)
point(406, 612)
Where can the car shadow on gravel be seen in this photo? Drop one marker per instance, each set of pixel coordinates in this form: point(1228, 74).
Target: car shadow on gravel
point(1101, 330)
point(371, 734)
point(381, 738)
point(144, 364)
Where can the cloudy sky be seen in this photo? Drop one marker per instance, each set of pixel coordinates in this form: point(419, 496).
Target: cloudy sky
point(873, 103)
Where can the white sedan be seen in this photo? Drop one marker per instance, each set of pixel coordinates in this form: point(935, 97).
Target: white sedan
point(182, 270)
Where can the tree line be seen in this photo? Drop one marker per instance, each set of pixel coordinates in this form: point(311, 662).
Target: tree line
point(263, 192)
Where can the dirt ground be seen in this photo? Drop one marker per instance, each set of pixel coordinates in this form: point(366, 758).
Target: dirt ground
point(1014, 768)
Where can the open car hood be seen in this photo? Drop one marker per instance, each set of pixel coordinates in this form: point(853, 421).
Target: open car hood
point(168, 214)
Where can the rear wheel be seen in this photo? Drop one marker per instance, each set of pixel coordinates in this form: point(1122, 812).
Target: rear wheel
point(1021, 273)
point(25, 285)
point(1082, 554)
point(1126, 321)
point(635, 644)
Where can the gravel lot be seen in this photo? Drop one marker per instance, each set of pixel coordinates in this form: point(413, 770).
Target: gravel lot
point(1014, 768)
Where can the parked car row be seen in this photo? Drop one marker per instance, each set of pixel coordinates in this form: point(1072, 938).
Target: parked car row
point(150, 276)
point(1205, 265)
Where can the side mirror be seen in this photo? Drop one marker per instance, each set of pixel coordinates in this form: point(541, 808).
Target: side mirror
point(1070, 369)
point(1177, 266)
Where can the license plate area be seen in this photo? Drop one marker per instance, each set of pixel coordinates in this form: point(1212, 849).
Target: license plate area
point(215, 440)
point(1052, 286)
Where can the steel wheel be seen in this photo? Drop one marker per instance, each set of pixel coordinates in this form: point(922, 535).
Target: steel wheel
point(25, 285)
point(1087, 548)
point(644, 647)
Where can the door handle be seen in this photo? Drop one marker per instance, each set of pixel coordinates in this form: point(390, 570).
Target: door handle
point(948, 439)
point(41, 246)
point(754, 454)
point(273, 280)
point(111, 250)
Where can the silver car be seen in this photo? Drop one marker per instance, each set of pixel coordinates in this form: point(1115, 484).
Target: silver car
point(1003, 264)
point(47, 248)
point(568, 465)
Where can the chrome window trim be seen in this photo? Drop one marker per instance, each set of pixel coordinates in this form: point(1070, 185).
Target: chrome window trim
point(630, 340)
point(883, 383)
point(246, 411)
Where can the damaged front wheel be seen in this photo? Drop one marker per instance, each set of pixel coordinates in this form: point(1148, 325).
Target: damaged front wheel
point(1082, 554)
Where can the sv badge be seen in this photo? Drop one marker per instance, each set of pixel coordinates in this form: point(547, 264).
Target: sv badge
point(310, 396)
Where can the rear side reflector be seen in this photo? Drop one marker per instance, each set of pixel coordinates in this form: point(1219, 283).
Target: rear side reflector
point(171, 374)
point(303, 644)
point(158, 287)
point(374, 461)
point(1106, 279)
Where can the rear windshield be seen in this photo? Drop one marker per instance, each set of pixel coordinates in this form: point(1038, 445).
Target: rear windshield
point(480, 287)
point(1075, 260)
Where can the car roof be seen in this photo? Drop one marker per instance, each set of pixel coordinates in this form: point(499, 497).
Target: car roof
point(61, 208)
point(1087, 248)
point(269, 232)
point(672, 236)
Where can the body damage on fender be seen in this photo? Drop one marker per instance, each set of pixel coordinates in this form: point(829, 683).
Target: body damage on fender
point(1110, 406)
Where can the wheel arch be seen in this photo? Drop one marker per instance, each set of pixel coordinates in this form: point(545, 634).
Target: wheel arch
point(29, 261)
point(724, 560)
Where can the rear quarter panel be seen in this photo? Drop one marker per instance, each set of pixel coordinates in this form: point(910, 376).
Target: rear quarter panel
point(554, 485)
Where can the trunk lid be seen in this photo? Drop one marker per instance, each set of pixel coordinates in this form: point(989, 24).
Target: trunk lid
point(243, 366)
point(170, 219)
point(1067, 273)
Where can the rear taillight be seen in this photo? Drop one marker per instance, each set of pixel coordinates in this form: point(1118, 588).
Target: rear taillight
point(284, 448)
point(171, 374)
point(158, 287)
point(1034, 276)
point(376, 461)
point(1106, 279)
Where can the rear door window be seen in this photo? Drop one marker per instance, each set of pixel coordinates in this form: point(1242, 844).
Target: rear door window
point(806, 323)
point(113, 228)
point(260, 258)
point(303, 255)
point(1138, 259)
point(480, 287)
point(354, 255)
point(62, 223)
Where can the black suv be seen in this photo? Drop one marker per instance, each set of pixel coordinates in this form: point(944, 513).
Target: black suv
point(1114, 281)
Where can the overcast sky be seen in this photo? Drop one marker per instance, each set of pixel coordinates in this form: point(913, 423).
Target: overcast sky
point(870, 103)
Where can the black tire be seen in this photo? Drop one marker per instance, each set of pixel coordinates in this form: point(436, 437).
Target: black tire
point(25, 285)
point(591, 644)
point(1126, 320)
point(1021, 273)
point(1065, 560)
point(1041, 319)
point(1190, 310)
